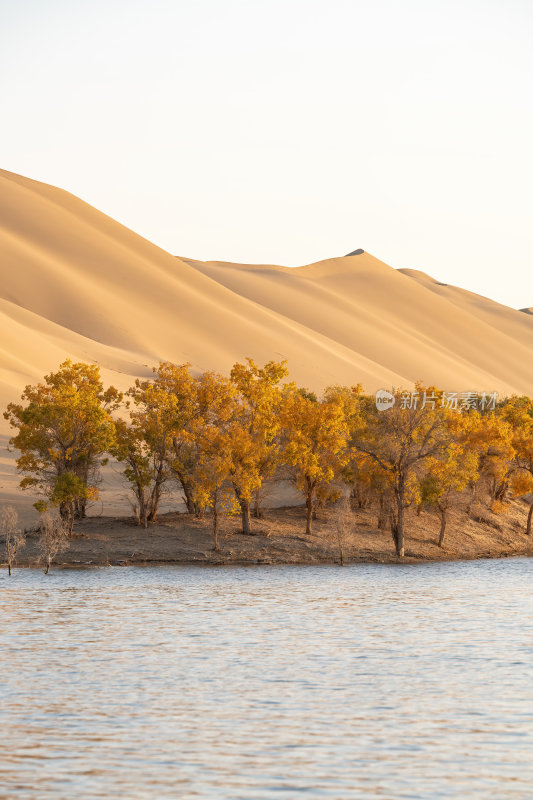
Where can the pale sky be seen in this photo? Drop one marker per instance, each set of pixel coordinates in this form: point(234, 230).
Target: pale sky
point(287, 131)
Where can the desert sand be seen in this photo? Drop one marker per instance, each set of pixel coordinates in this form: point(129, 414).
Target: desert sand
point(77, 284)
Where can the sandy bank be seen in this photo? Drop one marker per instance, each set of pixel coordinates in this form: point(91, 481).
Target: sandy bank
point(279, 538)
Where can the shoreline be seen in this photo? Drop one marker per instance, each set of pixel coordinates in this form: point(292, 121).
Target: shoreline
point(406, 561)
point(278, 539)
point(213, 564)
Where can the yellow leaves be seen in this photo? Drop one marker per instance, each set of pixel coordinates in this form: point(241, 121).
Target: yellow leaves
point(522, 483)
point(64, 424)
point(518, 413)
point(235, 429)
point(213, 465)
point(498, 507)
point(253, 381)
point(253, 425)
point(226, 435)
point(316, 437)
point(456, 468)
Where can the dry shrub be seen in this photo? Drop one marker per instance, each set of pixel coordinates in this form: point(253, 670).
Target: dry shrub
point(14, 536)
point(53, 539)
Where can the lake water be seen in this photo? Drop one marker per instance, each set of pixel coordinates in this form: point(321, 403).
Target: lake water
point(369, 681)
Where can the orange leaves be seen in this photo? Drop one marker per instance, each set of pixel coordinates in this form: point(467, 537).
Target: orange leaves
point(522, 483)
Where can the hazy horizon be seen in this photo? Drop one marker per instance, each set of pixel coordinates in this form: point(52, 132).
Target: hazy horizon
point(290, 134)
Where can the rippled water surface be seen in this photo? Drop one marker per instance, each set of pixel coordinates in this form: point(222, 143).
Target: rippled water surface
point(269, 682)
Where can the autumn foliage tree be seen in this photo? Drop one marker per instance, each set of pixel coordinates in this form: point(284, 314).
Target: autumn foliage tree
point(370, 485)
point(254, 429)
point(493, 440)
point(68, 492)
point(316, 434)
point(214, 440)
point(178, 393)
point(213, 490)
point(64, 428)
point(401, 440)
point(156, 443)
point(446, 478)
point(152, 441)
point(518, 412)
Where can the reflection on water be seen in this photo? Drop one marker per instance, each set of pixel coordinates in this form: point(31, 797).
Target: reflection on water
point(368, 681)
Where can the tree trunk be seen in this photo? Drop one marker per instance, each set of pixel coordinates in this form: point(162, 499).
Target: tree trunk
point(529, 520)
point(309, 505)
point(472, 497)
point(308, 516)
point(187, 487)
point(143, 509)
point(154, 502)
point(245, 511)
point(80, 508)
point(501, 491)
point(393, 525)
point(189, 498)
point(245, 514)
point(141, 512)
point(9, 567)
point(398, 538)
point(215, 521)
point(80, 511)
point(442, 514)
point(155, 494)
point(48, 562)
point(70, 518)
point(257, 506)
point(382, 516)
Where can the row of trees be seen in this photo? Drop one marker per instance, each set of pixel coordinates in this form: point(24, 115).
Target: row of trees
point(221, 439)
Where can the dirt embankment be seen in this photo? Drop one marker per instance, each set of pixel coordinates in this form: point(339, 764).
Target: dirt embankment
point(279, 538)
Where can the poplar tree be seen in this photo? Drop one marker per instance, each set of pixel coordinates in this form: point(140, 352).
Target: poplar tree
point(316, 438)
point(401, 440)
point(518, 412)
point(64, 428)
point(254, 429)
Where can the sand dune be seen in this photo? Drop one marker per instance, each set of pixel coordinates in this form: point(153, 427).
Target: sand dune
point(76, 283)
